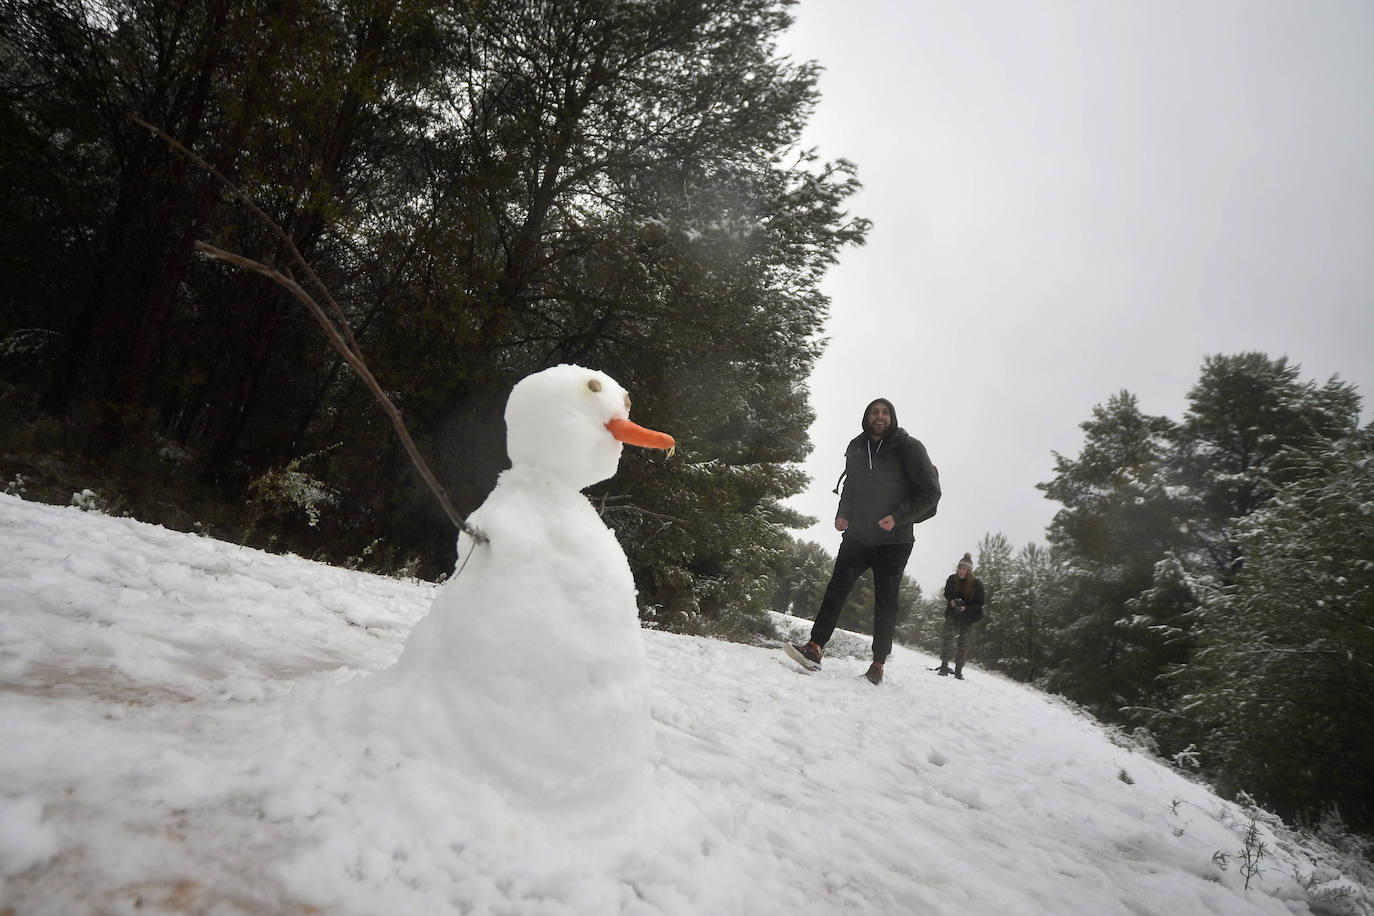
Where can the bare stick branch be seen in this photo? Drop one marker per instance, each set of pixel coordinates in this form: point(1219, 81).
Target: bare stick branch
point(343, 341)
point(281, 234)
point(645, 512)
point(359, 366)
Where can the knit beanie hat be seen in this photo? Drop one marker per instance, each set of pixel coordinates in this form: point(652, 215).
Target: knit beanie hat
point(967, 560)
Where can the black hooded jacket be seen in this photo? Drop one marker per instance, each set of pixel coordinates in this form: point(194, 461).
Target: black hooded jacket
point(890, 476)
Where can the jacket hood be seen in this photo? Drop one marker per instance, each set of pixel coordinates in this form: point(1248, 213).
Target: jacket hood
point(890, 409)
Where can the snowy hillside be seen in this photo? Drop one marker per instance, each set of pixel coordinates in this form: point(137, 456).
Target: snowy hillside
point(177, 739)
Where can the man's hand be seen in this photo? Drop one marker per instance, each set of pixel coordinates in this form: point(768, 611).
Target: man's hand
point(887, 523)
point(841, 523)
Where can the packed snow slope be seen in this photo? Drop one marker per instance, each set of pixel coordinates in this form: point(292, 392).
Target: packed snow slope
point(178, 738)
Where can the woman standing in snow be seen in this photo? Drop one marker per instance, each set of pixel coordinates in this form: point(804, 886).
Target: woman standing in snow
point(963, 608)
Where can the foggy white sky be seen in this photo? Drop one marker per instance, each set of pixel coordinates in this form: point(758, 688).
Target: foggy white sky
point(1072, 198)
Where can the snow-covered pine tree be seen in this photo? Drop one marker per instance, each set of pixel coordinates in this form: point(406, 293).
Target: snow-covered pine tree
point(1282, 680)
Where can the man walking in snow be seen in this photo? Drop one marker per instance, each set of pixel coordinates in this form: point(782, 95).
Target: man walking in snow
point(889, 485)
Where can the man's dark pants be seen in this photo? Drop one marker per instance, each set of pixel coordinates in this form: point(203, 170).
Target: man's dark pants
point(888, 562)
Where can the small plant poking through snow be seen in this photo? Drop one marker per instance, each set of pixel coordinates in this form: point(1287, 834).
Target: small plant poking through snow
point(1253, 851)
point(1175, 810)
point(284, 490)
point(1253, 848)
point(89, 500)
point(86, 501)
point(382, 559)
point(1188, 758)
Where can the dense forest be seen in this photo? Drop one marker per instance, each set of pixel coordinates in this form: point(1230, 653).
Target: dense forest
point(485, 189)
point(488, 188)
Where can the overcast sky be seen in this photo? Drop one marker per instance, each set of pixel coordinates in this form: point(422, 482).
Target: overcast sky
point(1072, 198)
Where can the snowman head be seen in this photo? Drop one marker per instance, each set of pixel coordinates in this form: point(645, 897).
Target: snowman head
point(568, 422)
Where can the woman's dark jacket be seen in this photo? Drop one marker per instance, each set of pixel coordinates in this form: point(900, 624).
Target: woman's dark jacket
point(973, 607)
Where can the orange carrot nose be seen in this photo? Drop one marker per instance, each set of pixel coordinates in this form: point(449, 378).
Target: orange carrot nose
point(634, 434)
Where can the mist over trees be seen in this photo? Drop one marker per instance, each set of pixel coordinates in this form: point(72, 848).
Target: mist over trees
point(1209, 583)
point(487, 189)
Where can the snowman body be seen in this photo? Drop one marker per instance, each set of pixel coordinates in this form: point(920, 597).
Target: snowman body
point(530, 665)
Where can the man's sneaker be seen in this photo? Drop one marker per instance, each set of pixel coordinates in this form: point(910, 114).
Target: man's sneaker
point(958, 675)
point(874, 674)
point(943, 671)
point(808, 656)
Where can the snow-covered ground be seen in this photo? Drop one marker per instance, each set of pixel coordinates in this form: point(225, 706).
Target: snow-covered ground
point(176, 739)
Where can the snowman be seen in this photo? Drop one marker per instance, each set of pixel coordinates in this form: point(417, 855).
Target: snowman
point(529, 668)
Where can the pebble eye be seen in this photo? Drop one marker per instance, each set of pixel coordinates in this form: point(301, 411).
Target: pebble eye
point(594, 384)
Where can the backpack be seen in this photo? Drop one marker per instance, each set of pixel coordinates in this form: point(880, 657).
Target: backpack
point(911, 482)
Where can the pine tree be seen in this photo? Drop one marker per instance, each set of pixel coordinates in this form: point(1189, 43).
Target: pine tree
point(1281, 682)
point(1202, 564)
point(1118, 520)
point(801, 575)
point(1016, 634)
point(1243, 410)
point(995, 568)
